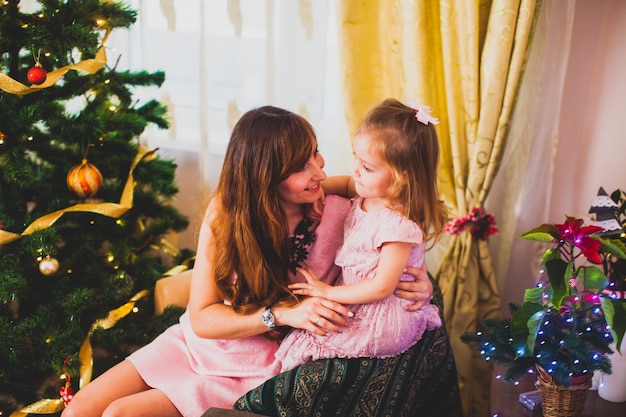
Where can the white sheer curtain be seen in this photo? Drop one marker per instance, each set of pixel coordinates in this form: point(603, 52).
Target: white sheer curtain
point(521, 192)
point(224, 57)
point(566, 136)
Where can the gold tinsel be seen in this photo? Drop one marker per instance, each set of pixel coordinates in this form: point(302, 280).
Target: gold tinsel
point(114, 210)
point(91, 66)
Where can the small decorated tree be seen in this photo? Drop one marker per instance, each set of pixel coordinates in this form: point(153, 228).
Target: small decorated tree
point(609, 212)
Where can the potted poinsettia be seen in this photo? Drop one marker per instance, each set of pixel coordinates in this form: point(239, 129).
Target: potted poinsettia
point(566, 324)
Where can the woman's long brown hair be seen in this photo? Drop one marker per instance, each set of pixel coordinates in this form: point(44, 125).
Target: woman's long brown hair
point(251, 234)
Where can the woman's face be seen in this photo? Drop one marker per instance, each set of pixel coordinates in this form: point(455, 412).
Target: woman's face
point(303, 186)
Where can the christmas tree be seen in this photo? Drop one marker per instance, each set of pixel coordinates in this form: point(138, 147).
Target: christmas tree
point(84, 207)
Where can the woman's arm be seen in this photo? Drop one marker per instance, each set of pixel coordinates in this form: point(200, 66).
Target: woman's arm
point(393, 257)
point(212, 319)
point(420, 291)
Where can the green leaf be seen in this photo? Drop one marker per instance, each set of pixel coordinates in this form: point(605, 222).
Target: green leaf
point(533, 295)
point(533, 326)
point(609, 311)
point(613, 246)
point(552, 253)
point(617, 319)
point(593, 278)
point(556, 268)
point(543, 233)
point(519, 324)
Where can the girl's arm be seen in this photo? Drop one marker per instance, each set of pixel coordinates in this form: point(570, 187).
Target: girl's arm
point(393, 258)
point(342, 185)
point(212, 319)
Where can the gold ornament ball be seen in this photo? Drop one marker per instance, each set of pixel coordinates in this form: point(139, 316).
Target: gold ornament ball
point(48, 266)
point(84, 179)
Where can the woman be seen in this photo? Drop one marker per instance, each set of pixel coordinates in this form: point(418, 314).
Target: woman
point(254, 234)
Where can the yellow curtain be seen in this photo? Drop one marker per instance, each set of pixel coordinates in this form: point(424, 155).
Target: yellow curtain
point(464, 59)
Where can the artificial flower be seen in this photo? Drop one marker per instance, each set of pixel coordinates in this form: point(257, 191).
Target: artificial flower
point(481, 224)
point(573, 231)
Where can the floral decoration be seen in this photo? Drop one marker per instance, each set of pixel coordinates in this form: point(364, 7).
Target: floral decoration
point(481, 224)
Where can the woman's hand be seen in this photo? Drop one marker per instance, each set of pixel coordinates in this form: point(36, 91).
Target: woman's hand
point(420, 291)
point(314, 314)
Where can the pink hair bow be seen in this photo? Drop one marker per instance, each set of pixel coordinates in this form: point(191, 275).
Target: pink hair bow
point(422, 113)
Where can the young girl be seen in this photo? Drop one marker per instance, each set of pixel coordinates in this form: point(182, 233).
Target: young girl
point(397, 210)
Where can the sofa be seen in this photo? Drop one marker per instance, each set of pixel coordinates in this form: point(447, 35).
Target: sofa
point(420, 382)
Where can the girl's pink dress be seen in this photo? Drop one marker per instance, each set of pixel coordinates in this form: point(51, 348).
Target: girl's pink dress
point(196, 373)
point(379, 329)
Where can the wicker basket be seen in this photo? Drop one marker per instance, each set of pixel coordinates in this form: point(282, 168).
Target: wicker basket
point(558, 401)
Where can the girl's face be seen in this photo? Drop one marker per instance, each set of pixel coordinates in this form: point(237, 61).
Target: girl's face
point(372, 175)
point(303, 186)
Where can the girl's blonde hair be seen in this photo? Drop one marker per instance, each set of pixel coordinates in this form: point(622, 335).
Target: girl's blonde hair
point(250, 229)
point(411, 149)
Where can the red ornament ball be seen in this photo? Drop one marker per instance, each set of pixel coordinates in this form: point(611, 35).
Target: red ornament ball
point(37, 75)
point(84, 179)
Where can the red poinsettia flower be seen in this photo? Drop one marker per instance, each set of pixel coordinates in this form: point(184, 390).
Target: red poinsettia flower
point(573, 231)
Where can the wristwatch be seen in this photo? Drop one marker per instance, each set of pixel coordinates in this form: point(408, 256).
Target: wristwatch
point(268, 318)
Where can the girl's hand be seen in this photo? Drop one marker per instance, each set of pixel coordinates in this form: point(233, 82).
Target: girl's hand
point(315, 314)
point(420, 291)
point(313, 287)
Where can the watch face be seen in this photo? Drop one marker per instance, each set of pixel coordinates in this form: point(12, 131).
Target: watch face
point(268, 318)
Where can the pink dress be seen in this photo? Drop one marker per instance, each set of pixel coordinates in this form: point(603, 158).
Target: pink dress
point(196, 373)
point(379, 329)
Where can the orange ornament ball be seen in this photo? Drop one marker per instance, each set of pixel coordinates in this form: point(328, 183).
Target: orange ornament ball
point(84, 179)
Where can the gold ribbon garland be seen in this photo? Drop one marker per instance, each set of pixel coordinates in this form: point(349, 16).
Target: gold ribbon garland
point(51, 406)
point(114, 210)
point(45, 406)
point(91, 66)
point(178, 268)
point(85, 355)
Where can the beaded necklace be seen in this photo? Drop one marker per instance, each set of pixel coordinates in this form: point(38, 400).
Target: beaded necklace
point(300, 241)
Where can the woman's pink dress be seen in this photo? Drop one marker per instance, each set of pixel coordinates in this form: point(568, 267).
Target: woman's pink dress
point(196, 373)
point(379, 329)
